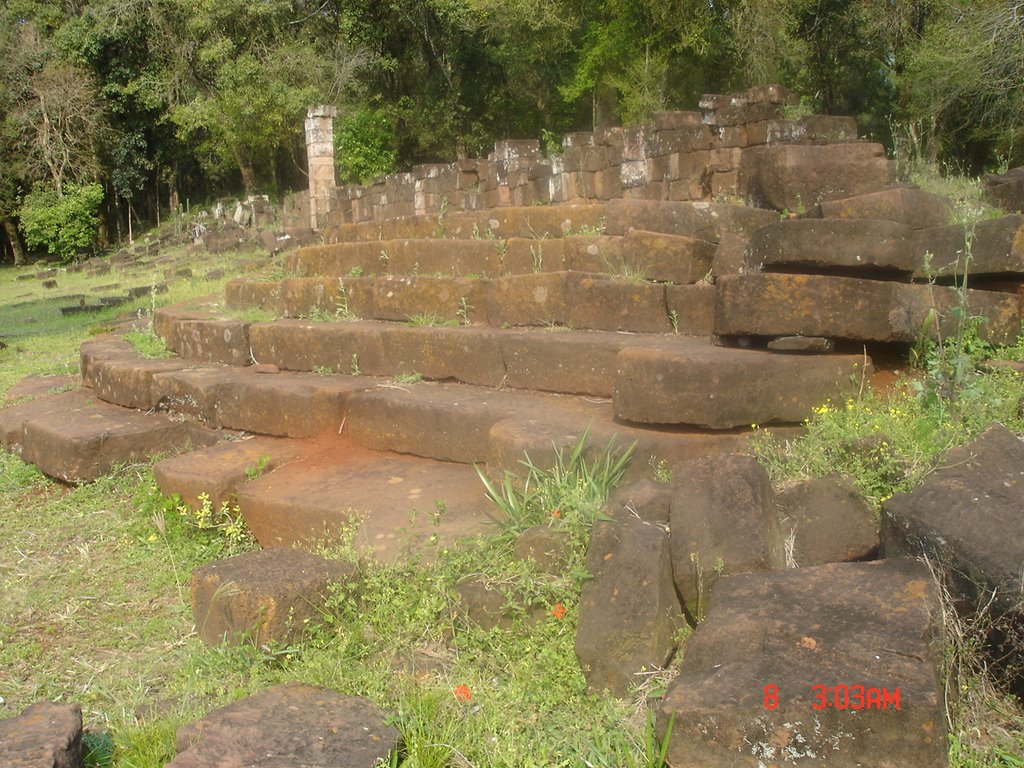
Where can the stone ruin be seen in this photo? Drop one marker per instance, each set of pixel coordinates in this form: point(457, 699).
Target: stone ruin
point(668, 285)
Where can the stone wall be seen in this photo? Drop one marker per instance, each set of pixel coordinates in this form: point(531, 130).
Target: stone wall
point(681, 156)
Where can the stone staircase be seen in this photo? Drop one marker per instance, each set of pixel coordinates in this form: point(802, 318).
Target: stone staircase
point(409, 353)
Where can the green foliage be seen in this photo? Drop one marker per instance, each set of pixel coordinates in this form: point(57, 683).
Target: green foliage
point(65, 224)
point(226, 521)
point(567, 495)
point(430, 320)
point(408, 378)
point(148, 344)
point(364, 145)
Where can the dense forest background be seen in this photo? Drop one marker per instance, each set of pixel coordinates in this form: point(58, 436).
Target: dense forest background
point(159, 102)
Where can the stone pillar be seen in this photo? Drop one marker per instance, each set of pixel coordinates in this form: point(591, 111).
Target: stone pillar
point(320, 160)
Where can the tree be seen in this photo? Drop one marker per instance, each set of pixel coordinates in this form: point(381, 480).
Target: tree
point(64, 222)
point(966, 80)
point(63, 125)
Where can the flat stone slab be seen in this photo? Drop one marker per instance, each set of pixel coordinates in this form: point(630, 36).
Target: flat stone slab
point(262, 597)
point(220, 470)
point(795, 177)
point(454, 422)
point(829, 665)
point(911, 206)
point(851, 308)
point(34, 386)
point(45, 735)
point(845, 246)
point(694, 382)
point(400, 505)
point(292, 725)
point(966, 515)
point(996, 249)
point(702, 220)
point(282, 405)
point(14, 417)
point(81, 444)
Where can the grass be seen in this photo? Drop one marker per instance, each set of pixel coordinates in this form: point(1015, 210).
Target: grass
point(94, 603)
point(95, 609)
point(430, 320)
point(41, 341)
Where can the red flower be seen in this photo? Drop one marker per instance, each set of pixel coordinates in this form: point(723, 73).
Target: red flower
point(462, 692)
point(558, 611)
point(556, 513)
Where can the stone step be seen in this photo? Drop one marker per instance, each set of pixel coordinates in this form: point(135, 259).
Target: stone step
point(549, 221)
point(219, 471)
point(851, 308)
point(307, 372)
point(859, 247)
point(460, 423)
point(702, 220)
point(304, 492)
point(835, 663)
point(578, 300)
point(717, 387)
point(75, 437)
point(479, 258)
point(653, 379)
point(388, 506)
point(638, 254)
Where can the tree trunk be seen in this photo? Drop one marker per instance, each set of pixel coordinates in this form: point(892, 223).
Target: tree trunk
point(606, 105)
point(11, 230)
point(248, 177)
point(248, 172)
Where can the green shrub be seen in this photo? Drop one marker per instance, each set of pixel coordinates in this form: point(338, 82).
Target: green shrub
point(364, 145)
point(66, 222)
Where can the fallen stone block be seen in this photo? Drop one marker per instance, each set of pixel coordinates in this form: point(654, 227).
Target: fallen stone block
point(1007, 190)
point(645, 500)
point(547, 546)
point(688, 381)
point(269, 596)
point(795, 177)
point(832, 665)
point(851, 308)
point(909, 206)
point(966, 516)
point(629, 612)
point(989, 248)
point(815, 345)
point(844, 246)
point(828, 522)
point(724, 521)
point(293, 724)
point(45, 735)
point(701, 220)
